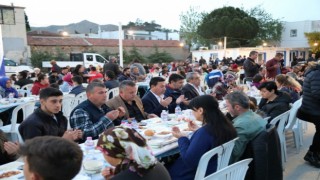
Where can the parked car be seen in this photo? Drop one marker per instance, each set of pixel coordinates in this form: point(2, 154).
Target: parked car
point(11, 67)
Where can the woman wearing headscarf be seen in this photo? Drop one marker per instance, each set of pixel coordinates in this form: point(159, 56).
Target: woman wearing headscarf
point(6, 87)
point(66, 85)
point(128, 152)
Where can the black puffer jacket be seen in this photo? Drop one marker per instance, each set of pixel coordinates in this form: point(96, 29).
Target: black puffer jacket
point(310, 107)
point(276, 107)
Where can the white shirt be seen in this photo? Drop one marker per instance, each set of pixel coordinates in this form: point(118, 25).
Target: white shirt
point(199, 90)
point(158, 97)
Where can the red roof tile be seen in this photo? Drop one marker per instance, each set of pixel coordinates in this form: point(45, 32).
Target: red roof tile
point(69, 41)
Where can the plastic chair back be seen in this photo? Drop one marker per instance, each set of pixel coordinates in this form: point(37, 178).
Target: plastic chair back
point(112, 93)
point(79, 99)
point(27, 87)
point(224, 152)
point(236, 171)
point(293, 112)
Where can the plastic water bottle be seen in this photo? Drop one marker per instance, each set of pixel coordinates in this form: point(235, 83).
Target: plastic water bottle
point(134, 124)
point(11, 100)
point(89, 144)
point(164, 115)
point(177, 110)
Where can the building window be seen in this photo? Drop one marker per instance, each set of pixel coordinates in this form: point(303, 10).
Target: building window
point(293, 33)
point(7, 15)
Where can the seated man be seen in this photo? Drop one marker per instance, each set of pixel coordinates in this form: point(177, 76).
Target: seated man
point(92, 116)
point(48, 118)
point(77, 85)
point(247, 123)
point(153, 101)
point(23, 79)
point(51, 158)
point(192, 89)
point(128, 99)
point(173, 89)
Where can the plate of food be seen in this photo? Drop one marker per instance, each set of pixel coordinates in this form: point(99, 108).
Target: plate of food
point(163, 134)
point(13, 174)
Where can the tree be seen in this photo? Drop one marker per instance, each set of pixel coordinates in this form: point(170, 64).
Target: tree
point(190, 20)
point(135, 54)
point(38, 56)
point(314, 41)
point(270, 29)
point(28, 28)
point(159, 57)
point(231, 22)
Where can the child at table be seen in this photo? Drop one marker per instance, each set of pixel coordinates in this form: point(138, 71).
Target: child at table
point(215, 131)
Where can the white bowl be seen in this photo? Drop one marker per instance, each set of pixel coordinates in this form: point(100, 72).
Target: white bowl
point(92, 165)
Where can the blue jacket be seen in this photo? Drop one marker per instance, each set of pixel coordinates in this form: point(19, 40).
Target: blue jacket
point(185, 167)
point(77, 90)
point(151, 104)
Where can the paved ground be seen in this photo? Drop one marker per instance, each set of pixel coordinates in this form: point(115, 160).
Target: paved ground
point(295, 167)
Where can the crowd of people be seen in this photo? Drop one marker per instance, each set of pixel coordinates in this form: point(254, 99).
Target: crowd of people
point(198, 85)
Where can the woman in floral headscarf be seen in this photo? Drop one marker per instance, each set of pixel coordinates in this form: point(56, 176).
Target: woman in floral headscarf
point(127, 151)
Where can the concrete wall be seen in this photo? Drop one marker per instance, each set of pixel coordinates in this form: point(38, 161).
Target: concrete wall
point(177, 53)
point(15, 38)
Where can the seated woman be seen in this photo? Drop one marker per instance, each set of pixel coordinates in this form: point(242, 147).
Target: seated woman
point(8, 150)
point(41, 83)
point(215, 131)
point(273, 102)
point(288, 84)
point(257, 80)
point(127, 151)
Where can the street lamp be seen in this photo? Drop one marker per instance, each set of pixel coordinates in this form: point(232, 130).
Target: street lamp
point(65, 33)
point(264, 44)
point(315, 44)
point(181, 44)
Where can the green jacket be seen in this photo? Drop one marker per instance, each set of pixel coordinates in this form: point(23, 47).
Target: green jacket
point(248, 126)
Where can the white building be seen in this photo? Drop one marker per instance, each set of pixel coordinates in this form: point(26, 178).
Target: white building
point(14, 34)
point(293, 43)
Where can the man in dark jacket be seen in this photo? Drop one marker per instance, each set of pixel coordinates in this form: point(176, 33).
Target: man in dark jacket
point(250, 67)
point(48, 119)
point(309, 111)
point(112, 66)
point(173, 89)
point(153, 101)
point(22, 79)
point(77, 85)
point(192, 89)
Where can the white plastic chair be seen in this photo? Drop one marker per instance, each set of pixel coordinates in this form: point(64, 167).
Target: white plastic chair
point(78, 99)
point(17, 87)
point(67, 106)
point(27, 87)
point(224, 152)
point(85, 85)
point(294, 126)
point(236, 171)
point(25, 90)
point(282, 119)
point(113, 91)
point(27, 109)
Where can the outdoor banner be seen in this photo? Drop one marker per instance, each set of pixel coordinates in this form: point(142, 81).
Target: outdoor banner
point(2, 69)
